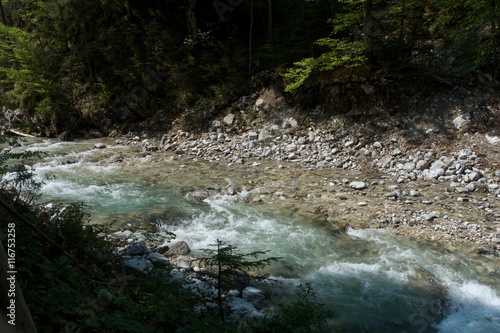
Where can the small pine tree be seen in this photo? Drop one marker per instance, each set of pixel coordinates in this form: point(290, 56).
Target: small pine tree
point(229, 264)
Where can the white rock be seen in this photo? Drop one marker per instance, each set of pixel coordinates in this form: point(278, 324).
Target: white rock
point(357, 185)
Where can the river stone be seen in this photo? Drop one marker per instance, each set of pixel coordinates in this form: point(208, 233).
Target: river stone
point(252, 136)
point(158, 259)
point(99, 145)
point(422, 165)
point(178, 249)
point(461, 121)
point(200, 195)
point(137, 248)
point(229, 119)
point(357, 185)
point(433, 174)
point(264, 136)
point(137, 266)
point(241, 308)
point(474, 176)
point(253, 295)
point(409, 166)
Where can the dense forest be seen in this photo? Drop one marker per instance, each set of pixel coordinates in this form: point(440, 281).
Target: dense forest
point(69, 64)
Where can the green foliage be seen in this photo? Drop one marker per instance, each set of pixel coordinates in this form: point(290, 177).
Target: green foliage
point(304, 315)
point(342, 53)
point(228, 265)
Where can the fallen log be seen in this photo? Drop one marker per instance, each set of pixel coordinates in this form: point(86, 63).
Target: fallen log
point(13, 131)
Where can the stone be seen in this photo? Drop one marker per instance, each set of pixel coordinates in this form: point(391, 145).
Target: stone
point(429, 216)
point(136, 248)
point(461, 121)
point(291, 147)
point(241, 308)
point(216, 124)
point(253, 295)
point(474, 176)
point(470, 187)
point(396, 152)
point(292, 122)
point(252, 136)
point(433, 174)
point(357, 185)
point(264, 136)
point(422, 165)
point(493, 186)
point(492, 139)
point(409, 166)
point(178, 249)
point(99, 145)
point(229, 119)
point(158, 259)
point(200, 195)
point(137, 265)
point(414, 193)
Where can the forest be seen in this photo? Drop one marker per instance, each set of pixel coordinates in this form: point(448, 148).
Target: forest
point(71, 64)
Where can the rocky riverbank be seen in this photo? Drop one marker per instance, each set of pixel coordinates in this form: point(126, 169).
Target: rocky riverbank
point(444, 189)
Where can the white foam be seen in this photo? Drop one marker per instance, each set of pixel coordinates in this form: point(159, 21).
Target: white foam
point(474, 308)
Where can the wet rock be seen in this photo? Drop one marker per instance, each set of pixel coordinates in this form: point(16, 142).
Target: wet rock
point(178, 249)
point(200, 195)
point(99, 145)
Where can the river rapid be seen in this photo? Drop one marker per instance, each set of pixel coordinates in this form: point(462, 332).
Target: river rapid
point(373, 279)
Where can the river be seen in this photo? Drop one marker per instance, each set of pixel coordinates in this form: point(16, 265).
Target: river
point(373, 280)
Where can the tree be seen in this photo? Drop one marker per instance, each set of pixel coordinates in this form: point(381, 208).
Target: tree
point(229, 264)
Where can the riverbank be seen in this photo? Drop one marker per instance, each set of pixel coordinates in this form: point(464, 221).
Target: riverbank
point(435, 180)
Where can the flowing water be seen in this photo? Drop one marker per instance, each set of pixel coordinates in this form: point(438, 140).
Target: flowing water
point(372, 280)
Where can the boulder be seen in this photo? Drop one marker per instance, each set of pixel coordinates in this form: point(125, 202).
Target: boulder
point(137, 265)
point(264, 136)
point(253, 295)
point(136, 248)
point(158, 259)
point(229, 119)
point(241, 308)
point(178, 249)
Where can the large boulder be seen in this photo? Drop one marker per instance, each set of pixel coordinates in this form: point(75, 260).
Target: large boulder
point(178, 249)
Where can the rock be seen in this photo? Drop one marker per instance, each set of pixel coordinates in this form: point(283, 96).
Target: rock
point(291, 122)
point(396, 152)
point(474, 176)
point(492, 139)
point(414, 193)
point(136, 248)
point(291, 148)
point(99, 145)
point(433, 174)
point(264, 136)
point(253, 295)
point(229, 119)
point(429, 216)
point(409, 166)
point(241, 308)
point(470, 187)
point(357, 185)
point(200, 195)
point(252, 136)
point(178, 249)
point(137, 265)
point(362, 203)
point(461, 121)
point(158, 259)
point(422, 165)
point(493, 186)
point(216, 124)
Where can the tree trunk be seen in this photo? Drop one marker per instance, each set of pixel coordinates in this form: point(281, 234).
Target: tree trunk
point(3, 13)
point(191, 19)
point(368, 21)
point(270, 20)
point(250, 40)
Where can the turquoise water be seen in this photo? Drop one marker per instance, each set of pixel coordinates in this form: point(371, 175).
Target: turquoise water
point(372, 280)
